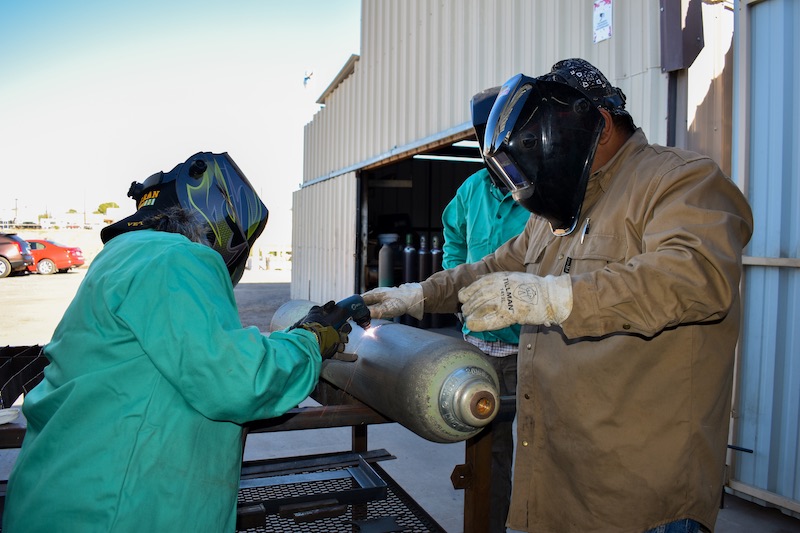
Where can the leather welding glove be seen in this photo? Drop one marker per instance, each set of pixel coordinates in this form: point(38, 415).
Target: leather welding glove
point(501, 299)
point(318, 322)
point(389, 302)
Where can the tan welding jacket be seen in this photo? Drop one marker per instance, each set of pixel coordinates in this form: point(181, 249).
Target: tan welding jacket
point(623, 410)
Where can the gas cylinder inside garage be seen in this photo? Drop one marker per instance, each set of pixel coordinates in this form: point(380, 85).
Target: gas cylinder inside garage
point(401, 208)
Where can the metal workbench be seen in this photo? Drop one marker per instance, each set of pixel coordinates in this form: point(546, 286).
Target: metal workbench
point(344, 491)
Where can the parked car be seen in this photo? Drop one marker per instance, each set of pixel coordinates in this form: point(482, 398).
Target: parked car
point(50, 256)
point(15, 254)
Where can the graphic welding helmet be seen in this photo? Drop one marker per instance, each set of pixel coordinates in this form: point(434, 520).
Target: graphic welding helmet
point(480, 106)
point(540, 140)
point(212, 187)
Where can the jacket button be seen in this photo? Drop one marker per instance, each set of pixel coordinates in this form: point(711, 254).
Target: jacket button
point(527, 396)
point(528, 346)
point(524, 443)
point(626, 326)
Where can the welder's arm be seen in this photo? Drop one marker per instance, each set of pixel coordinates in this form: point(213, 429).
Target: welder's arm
point(390, 302)
point(502, 299)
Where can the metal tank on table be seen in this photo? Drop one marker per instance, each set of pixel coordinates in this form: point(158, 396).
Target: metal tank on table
point(437, 386)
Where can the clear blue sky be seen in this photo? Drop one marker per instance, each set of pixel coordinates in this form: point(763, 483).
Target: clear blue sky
point(95, 94)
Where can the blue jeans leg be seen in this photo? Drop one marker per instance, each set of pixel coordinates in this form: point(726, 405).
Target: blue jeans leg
point(679, 526)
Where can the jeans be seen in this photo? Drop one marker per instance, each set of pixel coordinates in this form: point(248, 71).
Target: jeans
point(502, 446)
point(679, 526)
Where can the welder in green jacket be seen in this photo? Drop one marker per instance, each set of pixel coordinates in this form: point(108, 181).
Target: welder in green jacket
point(137, 424)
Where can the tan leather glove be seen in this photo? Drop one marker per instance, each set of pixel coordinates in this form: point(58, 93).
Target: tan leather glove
point(501, 299)
point(389, 302)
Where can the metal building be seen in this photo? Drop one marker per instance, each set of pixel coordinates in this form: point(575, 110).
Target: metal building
point(766, 155)
point(715, 76)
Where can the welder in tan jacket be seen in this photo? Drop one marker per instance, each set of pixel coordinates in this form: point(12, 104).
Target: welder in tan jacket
point(626, 282)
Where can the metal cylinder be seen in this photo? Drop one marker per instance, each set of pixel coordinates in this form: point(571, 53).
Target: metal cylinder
point(424, 271)
point(386, 266)
point(440, 387)
point(410, 261)
point(410, 273)
point(438, 320)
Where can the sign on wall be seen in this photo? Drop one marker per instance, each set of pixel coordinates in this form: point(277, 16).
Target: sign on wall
point(601, 18)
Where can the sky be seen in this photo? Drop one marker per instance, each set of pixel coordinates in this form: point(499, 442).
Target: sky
point(96, 94)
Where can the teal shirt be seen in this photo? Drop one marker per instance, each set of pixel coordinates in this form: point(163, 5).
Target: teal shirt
point(476, 222)
point(136, 424)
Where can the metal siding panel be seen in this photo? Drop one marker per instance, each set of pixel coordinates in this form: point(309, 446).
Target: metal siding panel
point(324, 237)
point(709, 89)
point(769, 390)
point(423, 60)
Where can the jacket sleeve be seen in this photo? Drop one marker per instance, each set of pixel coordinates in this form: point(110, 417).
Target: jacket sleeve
point(184, 315)
point(693, 224)
point(454, 249)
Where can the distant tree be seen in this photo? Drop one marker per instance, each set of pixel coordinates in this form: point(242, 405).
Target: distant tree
point(71, 211)
point(44, 215)
point(104, 207)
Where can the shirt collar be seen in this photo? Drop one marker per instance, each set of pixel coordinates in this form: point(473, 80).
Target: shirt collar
point(600, 180)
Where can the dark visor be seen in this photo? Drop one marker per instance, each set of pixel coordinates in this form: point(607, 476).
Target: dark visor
point(507, 170)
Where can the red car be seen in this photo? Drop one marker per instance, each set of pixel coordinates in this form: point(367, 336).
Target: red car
point(50, 256)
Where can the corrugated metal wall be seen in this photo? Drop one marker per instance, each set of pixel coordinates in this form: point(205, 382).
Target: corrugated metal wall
point(709, 105)
point(421, 62)
point(323, 240)
point(767, 406)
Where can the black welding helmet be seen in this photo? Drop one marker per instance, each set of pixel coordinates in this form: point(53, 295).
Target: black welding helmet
point(480, 106)
point(214, 188)
point(540, 140)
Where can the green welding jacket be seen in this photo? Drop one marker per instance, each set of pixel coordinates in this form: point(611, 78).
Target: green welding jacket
point(475, 223)
point(136, 425)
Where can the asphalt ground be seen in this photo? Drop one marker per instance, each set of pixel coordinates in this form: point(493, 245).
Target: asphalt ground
point(32, 305)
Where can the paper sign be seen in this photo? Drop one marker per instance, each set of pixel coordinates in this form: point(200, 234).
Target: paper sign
point(602, 20)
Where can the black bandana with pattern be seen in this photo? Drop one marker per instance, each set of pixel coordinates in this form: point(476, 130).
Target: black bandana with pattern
point(588, 79)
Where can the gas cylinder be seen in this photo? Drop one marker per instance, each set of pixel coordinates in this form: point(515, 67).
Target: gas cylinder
point(410, 268)
point(410, 261)
point(424, 262)
point(438, 386)
point(437, 320)
point(386, 266)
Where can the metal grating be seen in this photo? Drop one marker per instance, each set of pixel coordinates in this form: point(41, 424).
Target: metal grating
point(409, 516)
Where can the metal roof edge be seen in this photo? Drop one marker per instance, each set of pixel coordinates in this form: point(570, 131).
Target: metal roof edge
point(398, 152)
point(348, 68)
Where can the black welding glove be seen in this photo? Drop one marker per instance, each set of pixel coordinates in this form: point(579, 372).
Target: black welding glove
point(319, 322)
